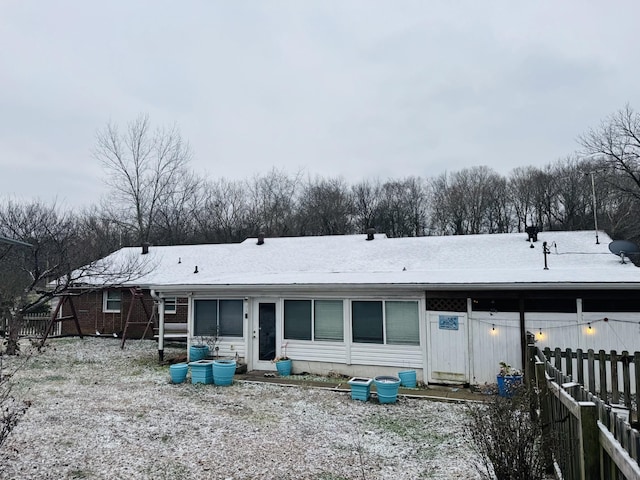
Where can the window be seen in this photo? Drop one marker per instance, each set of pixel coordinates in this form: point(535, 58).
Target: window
point(328, 320)
point(401, 319)
point(297, 319)
point(170, 305)
point(111, 301)
point(218, 318)
point(318, 320)
point(402, 323)
point(367, 322)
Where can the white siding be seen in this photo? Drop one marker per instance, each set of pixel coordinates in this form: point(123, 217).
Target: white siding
point(402, 356)
point(316, 351)
point(490, 347)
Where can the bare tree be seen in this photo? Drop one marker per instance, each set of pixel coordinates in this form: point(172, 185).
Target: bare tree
point(58, 257)
point(617, 140)
point(472, 200)
point(225, 212)
point(402, 210)
point(273, 203)
point(325, 208)
point(143, 169)
point(174, 222)
point(366, 199)
point(614, 148)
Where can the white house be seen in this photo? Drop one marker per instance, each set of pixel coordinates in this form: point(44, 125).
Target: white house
point(449, 307)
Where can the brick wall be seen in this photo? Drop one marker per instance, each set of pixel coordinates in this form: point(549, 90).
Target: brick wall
point(94, 320)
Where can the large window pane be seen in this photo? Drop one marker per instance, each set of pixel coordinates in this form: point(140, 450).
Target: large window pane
point(230, 320)
point(402, 323)
point(367, 322)
point(205, 317)
point(328, 320)
point(297, 319)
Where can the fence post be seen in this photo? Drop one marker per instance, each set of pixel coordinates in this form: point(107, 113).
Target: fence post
point(580, 365)
point(589, 441)
point(529, 368)
point(544, 414)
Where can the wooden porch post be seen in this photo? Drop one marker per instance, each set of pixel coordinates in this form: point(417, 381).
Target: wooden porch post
point(523, 334)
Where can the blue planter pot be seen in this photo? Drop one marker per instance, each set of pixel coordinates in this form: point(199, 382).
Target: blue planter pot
point(223, 371)
point(198, 352)
point(201, 371)
point(178, 372)
point(507, 384)
point(387, 388)
point(408, 378)
point(284, 367)
point(360, 388)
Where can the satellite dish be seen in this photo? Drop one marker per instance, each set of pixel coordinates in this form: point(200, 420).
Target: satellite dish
point(623, 248)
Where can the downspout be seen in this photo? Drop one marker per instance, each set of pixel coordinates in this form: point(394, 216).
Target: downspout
point(523, 335)
point(160, 301)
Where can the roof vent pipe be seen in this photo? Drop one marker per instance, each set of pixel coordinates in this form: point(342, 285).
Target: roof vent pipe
point(145, 248)
point(370, 233)
point(260, 238)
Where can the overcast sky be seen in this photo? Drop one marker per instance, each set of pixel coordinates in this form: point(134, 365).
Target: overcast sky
point(357, 89)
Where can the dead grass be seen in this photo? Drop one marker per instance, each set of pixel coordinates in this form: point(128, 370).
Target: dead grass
point(98, 412)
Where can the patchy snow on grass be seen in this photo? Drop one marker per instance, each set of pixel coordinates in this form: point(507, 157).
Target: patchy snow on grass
point(99, 412)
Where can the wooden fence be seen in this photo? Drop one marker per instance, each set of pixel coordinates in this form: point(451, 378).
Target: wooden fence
point(589, 440)
point(613, 376)
point(35, 325)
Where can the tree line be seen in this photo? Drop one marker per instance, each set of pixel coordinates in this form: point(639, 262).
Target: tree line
point(156, 198)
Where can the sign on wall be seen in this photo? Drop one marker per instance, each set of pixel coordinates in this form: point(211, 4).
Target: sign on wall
point(448, 322)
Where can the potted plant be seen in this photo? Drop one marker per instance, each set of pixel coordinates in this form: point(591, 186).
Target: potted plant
point(198, 351)
point(508, 380)
point(283, 363)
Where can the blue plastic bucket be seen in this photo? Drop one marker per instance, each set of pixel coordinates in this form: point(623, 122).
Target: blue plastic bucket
point(178, 372)
point(387, 388)
point(198, 352)
point(284, 367)
point(360, 388)
point(201, 371)
point(223, 371)
point(408, 378)
point(507, 384)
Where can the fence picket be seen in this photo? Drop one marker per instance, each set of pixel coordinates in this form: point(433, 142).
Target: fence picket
point(608, 449)
point(591, 370)
point(615, 390)
point(626, 378)
point(602, 366)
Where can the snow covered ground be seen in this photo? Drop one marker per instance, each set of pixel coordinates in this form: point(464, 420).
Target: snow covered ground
point(98, 412)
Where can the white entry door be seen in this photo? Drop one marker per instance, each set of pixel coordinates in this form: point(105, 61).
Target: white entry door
point(265, 333)
point(448, 347)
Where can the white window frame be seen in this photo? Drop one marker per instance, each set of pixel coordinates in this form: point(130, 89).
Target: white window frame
point(106, 299)
point(384, 320)
point(313, 319)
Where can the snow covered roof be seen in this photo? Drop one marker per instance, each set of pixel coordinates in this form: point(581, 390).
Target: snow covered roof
point(469, 261)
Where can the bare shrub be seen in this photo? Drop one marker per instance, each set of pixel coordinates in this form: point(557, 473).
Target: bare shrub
point(506, 438)
point(11, 409)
